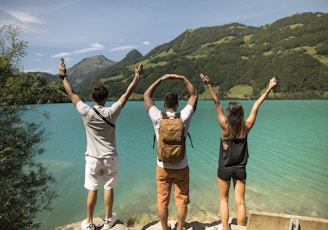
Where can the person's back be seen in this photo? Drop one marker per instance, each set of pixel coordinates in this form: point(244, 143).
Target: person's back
point(101, 160)
point(101, 139)
point(171, 174)
point(156, 116)
point(233, 151)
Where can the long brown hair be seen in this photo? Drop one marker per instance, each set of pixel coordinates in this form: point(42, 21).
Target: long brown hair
point(236, 122)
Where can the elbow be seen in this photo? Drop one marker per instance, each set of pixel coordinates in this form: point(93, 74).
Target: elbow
point(194, 93)
point(70, 94)
point(147, 95)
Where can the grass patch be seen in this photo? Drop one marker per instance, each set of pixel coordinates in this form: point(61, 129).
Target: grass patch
point(248, 37)
point(206, 94)
point(295, 26)
point(163, 54)
point(241, 92)
point(118, 77)
point(136, 97)
point(268, 53)
point(196, 56)
point(310, 50)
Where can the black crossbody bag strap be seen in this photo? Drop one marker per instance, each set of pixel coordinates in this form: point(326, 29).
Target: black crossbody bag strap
point(99, 114)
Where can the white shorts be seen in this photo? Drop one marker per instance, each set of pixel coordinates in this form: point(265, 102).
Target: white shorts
point(105, 168)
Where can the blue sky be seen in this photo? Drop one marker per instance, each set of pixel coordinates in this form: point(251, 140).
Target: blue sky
point(77, 29)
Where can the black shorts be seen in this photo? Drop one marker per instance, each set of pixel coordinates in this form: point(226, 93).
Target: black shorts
point(235, 173)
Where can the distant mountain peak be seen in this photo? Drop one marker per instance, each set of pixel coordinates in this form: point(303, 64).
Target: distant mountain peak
point(88, 68)
point(132, 57)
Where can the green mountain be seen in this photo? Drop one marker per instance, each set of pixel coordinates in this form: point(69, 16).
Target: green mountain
point(239, 60)
point(88, 68)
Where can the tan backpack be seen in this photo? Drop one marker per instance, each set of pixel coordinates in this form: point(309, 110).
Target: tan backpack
point(171, 146)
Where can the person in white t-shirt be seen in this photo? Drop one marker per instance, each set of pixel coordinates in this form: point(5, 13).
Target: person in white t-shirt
point(101, 153)
point(172, 174)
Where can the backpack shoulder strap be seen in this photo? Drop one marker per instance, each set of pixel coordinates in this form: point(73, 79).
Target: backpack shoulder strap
point(164, 115)
point(177, 115)
point(190, 140)
point(99, 114)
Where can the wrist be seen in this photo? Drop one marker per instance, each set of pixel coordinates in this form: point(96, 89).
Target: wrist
point(62, 76)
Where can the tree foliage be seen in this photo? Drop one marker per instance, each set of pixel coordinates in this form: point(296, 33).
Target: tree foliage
point(25, 185)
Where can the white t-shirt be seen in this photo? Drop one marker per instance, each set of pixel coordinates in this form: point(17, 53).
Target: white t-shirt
point(156, 116)
point(101, 140)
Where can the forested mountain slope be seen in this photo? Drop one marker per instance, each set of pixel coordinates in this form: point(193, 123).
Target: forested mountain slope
point(239, 59)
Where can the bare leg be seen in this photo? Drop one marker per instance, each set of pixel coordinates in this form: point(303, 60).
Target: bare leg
point(182, 214)
point(163, 214)
point(91, 204)
point(240, 201)
point(108, 200)
point(224, 187)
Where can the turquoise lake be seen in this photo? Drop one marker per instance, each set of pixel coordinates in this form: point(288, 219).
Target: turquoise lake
point(286, 173)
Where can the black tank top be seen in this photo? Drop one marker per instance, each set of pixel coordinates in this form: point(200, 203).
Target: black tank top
point(236, 154)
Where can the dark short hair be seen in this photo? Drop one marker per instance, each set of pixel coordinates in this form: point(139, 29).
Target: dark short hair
point(99, 93)
point(171, 100)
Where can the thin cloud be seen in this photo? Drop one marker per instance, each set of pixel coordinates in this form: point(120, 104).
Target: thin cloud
point(63, 54)
point(26, 17)
point(123, 48)
point(94, 46)
point(146, 43)
point(27, 70)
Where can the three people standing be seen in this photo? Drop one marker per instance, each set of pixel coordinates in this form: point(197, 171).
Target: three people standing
point(101, 154)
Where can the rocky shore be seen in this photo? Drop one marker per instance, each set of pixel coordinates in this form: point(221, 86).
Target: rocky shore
point(195, 225)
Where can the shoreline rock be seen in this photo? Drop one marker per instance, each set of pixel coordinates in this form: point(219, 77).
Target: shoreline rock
point(155, 225)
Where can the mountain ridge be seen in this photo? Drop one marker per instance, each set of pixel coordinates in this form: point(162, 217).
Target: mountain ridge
point(233, 55)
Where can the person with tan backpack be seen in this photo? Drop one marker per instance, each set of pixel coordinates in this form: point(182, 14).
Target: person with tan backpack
point(171, 129)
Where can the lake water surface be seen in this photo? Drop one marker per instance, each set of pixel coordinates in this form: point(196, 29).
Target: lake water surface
point(287, 169)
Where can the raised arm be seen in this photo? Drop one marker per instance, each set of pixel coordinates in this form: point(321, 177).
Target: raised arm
point(252, 115)
point(219, 110)
point(137, 71)
point(67, 86)
point(193, 98)
point(148, 100)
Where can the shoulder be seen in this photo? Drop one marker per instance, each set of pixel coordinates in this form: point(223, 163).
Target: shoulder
point(116, 105)
point(82, 107)
point(154, 110)
point(188, 110)
point(154, 113)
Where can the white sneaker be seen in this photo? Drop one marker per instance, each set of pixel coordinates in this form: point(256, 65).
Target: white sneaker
point(108, 223)
point(87, 226)
point(219, 227)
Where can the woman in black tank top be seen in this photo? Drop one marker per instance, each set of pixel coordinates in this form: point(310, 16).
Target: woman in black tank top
point(234, 151)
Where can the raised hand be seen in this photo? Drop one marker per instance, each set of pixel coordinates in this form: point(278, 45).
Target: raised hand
point(204, 79)
point(138, 70)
